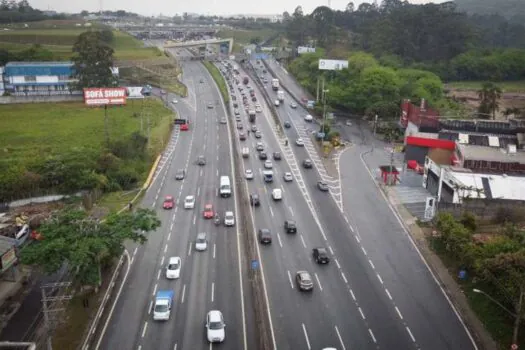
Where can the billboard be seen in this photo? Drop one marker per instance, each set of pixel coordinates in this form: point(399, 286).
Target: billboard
point(332, 64)
point(104, 96)
point(134, 92)
point(305, 49)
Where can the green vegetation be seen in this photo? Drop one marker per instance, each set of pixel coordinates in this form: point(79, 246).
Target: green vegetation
point(219, 80)
point(61, 147)
point(506, 86)
point(494, 267)
point(242, 36)
point(510, 9)
point(15, 12)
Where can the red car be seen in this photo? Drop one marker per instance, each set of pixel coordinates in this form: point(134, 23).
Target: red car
point(184, 127)
point(208, 211)
point(168, 202)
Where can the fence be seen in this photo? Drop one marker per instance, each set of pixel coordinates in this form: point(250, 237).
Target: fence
point(487, 209)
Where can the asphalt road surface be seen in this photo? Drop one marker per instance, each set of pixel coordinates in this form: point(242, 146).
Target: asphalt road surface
point(404, 305)
point(210, 279)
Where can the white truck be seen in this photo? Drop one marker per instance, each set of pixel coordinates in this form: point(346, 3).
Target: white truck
point(162, 306)
point(280, 95)
point(245, 152)
point(275, 84)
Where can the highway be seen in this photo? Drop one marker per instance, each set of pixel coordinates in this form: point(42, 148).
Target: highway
point(404, 305)
point(210, 279)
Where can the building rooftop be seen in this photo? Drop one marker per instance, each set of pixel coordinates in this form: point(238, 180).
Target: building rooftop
point(491, 154)
point(39, 64)
point(490, 186)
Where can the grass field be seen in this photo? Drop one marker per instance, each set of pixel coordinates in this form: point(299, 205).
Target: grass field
point(216, 74)
point(37, 130)
point(244, 36)
point(506, 86)
point(60, 41)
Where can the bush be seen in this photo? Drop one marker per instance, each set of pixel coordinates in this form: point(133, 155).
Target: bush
point(506, 215)
point(469, 221)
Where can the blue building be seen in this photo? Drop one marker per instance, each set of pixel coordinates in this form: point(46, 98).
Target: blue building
point(39, 78)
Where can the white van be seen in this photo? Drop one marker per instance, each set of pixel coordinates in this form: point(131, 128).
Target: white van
point(225, 189)
point(245, 152)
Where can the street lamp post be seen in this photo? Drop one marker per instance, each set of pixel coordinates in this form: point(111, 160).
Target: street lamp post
point(324, 109)
point(475, 290)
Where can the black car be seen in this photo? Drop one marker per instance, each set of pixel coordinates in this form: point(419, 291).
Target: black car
point(235, 105)
point(287, 124)
point(254, 99)
point(323, 186)
point(234, 98)
point(290, 226)
point(263, 156)
point(254, 200)
point(180, 174)
point(265, 237)
point(276, 156)
point(201, 160)
point(320, 256)
point(307, 164)
point(242, 136)
point(240, 126)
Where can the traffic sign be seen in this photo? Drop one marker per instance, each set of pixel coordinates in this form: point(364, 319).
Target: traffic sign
point(255, 264)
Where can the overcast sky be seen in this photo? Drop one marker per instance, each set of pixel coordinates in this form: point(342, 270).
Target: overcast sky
point(171, 7)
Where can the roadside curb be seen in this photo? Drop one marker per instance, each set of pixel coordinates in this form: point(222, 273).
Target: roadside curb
point(444, 278)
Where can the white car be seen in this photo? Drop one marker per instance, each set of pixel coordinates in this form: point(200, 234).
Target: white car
point(189, 202)
point(229, 218)
point(249, 174)
point(308, 118)
point(201, 243)
point(276, 103)
point(174, 102)
point(288, 177)
point(258, 109)
point(268, 164)
point(299, 142)
point(215, 327)
point(277, 194)
point(173, 268)
point(293, 105)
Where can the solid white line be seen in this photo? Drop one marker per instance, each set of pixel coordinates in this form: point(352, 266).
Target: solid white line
point(150, 306)
point(183, 294)
point(166, 248)
point(290, 278)
point(351, 228)
point(306, 337)
point(212, 291)
point(372, 335)
point(379, 278)
point(331, 250)
point(371, 264)
point(302, 240)
point(340, 338)
point(214, 250)
point(388, 293)
point(410, 333)
point(361, 312)
point(162, 261)
point(144, 329)
point(344, 277)
point(399, 313)
point(279, 239)
point(158, 274)
point(319, 282)
point(155, 288)
point(363, 249)
point(337, 263)
point(194, 219)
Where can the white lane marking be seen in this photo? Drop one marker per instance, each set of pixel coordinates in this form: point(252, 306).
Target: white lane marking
point(340, 338)
point(372, 335)
point(399, 313)
point(351, 228)
point(290, 278)
point(331, 250)
point(344, 277)
point(144, 329)
point(189, 250)
point(371, 264)
point(214, 250)
point(212, 291)
point(379, 278)
point(410, 333)
point(155, 288)
point(194, 219)
point(306, 337)
point(302, 240)
point(388, 293)
point(140, 347)
point(361, 312)
point(162, 261)
point(357, 239)
point(217, 172)
point(279, 239)
point(291, 210)
point(353, 296)
point(166, 248)
point(158, 274)
point(183, 294)
point(337, 263)
point(175, 347)
point(169, 234)
point(150, 306)
point(319, 282)
point(363, 249)
point(200, 173)
point(271, 211)
point(217, 158)
point(198, 191)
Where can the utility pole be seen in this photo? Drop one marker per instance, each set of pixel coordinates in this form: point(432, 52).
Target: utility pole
point(106, 126)
point(317, 97)
point(48, 309)
point(392, 174)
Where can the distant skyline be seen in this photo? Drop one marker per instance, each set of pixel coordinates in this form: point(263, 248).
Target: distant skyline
point(205, 7)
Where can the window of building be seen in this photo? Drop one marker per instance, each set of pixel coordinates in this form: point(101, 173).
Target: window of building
point(63, 77)
point(29, 78)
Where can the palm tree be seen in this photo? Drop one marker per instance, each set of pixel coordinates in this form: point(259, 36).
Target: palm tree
point(489, 96)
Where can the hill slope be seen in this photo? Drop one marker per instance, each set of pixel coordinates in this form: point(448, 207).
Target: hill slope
point(511, 9)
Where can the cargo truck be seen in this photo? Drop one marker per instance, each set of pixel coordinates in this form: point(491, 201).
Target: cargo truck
point(275, 84)
point(162, 306)
point(280, 95)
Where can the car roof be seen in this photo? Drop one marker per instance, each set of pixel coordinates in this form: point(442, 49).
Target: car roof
point(168, 198)
point(229, 213)
point(215, 315)
point(208, 206)
point(304, 275)
point(265, 230)
point(321, 250)
point(174, 259)
point(190, 197)
point(290, 221)
point(201, 235)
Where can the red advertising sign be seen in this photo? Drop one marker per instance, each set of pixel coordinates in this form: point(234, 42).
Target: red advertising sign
point(104, 96)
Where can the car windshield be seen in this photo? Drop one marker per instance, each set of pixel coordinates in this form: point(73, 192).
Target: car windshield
point(216, 325)
point(161, 308)
point(201, 240)
point(173, 266)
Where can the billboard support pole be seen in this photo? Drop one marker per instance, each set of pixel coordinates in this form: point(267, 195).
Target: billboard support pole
point(106, 128)
point(317, 98)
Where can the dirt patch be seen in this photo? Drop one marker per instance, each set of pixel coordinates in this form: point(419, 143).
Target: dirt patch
point(471, 100)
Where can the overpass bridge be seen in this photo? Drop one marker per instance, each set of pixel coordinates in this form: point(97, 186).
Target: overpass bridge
point(172, 44)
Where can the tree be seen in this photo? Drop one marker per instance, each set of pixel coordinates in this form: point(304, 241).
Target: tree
point(93, 60)
point(85, 244)
point(350, 7)
point(489, 96)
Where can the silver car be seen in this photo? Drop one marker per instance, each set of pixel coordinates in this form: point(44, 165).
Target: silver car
point(201, 243)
